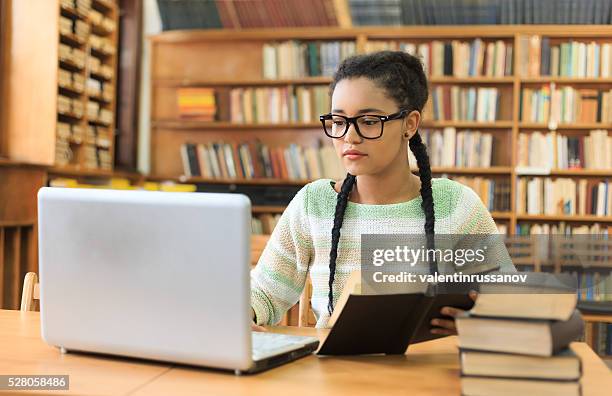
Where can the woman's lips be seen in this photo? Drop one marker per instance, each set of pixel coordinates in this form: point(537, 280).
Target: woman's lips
point(353, 154)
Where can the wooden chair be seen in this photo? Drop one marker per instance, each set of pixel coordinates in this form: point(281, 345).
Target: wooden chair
point(30, 296)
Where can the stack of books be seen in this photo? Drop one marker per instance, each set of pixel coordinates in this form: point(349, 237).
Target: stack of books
point(196, 103)
point(519, 344)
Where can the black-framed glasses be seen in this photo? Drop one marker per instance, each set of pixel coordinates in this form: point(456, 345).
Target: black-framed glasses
point(368, 126)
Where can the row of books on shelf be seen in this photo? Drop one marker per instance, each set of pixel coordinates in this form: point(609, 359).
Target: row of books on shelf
point(97, 157)
point(534, 353)
point(254, 159)
point(296, 59)
point(563, 196)
point(556, 151)
point(456, 58)
point(599, 337)
point(593, 284)
point(540, 57)
point(263, 224)
point(97, 112)
point(467, 104)
point(257, 105)
point(452, 148)
point(494, 193)
point(562, 228)
point(237, 14)
point(553, 105)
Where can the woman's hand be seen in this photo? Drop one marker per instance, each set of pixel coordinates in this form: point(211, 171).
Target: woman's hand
point(447, 326)
point(255, 327)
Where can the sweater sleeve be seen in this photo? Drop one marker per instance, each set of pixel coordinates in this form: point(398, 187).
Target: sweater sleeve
point(475, 218)
point(278, 278)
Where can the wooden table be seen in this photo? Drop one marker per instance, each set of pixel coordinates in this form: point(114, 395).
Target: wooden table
point(430, 368)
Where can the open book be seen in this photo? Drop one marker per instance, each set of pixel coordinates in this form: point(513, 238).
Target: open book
point(385, 323)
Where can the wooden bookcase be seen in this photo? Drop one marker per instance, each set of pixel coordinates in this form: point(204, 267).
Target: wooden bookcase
point(50, 63)
point(219, 58)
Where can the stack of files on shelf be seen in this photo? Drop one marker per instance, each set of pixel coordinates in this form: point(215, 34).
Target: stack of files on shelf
point(552, 150)
point(296, 59)
point(250, 160)
point(563, 196)
point(261, 105)
point(196, 103)
point(578, 59)
point(566, 104)
point(464, 149)
point(520, 342)
point(456, 58)
point(463, 104)
point(84, 6)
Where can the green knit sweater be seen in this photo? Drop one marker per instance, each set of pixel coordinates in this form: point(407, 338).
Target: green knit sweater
point(301, 241)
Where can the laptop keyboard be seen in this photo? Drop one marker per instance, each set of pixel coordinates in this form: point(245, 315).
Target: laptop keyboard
point(266, 345)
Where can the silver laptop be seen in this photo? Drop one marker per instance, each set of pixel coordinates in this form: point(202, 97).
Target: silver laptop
point(154, 275)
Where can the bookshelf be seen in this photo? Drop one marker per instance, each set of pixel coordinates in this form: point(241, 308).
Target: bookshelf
point(181, 59)
point(239, 64)
point(63, 82)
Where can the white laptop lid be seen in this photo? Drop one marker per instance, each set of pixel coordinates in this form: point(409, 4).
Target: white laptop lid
point(156, 275)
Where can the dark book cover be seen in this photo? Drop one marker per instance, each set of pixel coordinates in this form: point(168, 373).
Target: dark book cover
point(386, 324)
point(192, 156)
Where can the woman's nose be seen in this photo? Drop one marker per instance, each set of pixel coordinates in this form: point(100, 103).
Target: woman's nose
point(351, 135)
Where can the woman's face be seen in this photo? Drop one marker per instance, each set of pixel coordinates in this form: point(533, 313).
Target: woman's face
point(357, 96)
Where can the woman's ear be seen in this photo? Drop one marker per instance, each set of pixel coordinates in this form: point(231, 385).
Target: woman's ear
point(411, 124)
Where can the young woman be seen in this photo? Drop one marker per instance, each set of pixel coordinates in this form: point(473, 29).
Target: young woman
point(377, 100)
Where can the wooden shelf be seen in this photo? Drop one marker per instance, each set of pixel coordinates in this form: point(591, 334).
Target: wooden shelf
point(72, 12)
point(210, 125)
point(599, 318)
point(260, 181)
point(72, 39)
point(70, 171)
point(471, 80)
point(564, 80)
point(536, 125)
point(569, 218)
point(239, 82)
point(502, 215)
point(568, 172)
point(502, 170)
point(467, 124)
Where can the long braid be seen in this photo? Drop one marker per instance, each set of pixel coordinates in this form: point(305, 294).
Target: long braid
point(341, 203)
point(420, 153)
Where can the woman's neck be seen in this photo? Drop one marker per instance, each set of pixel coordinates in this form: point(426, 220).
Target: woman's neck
point(394, 186)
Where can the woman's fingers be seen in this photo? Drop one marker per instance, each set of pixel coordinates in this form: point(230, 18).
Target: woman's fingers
point(255, 327)
point(451, 311)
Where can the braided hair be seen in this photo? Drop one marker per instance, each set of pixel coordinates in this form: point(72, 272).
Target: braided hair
point(402, 77)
